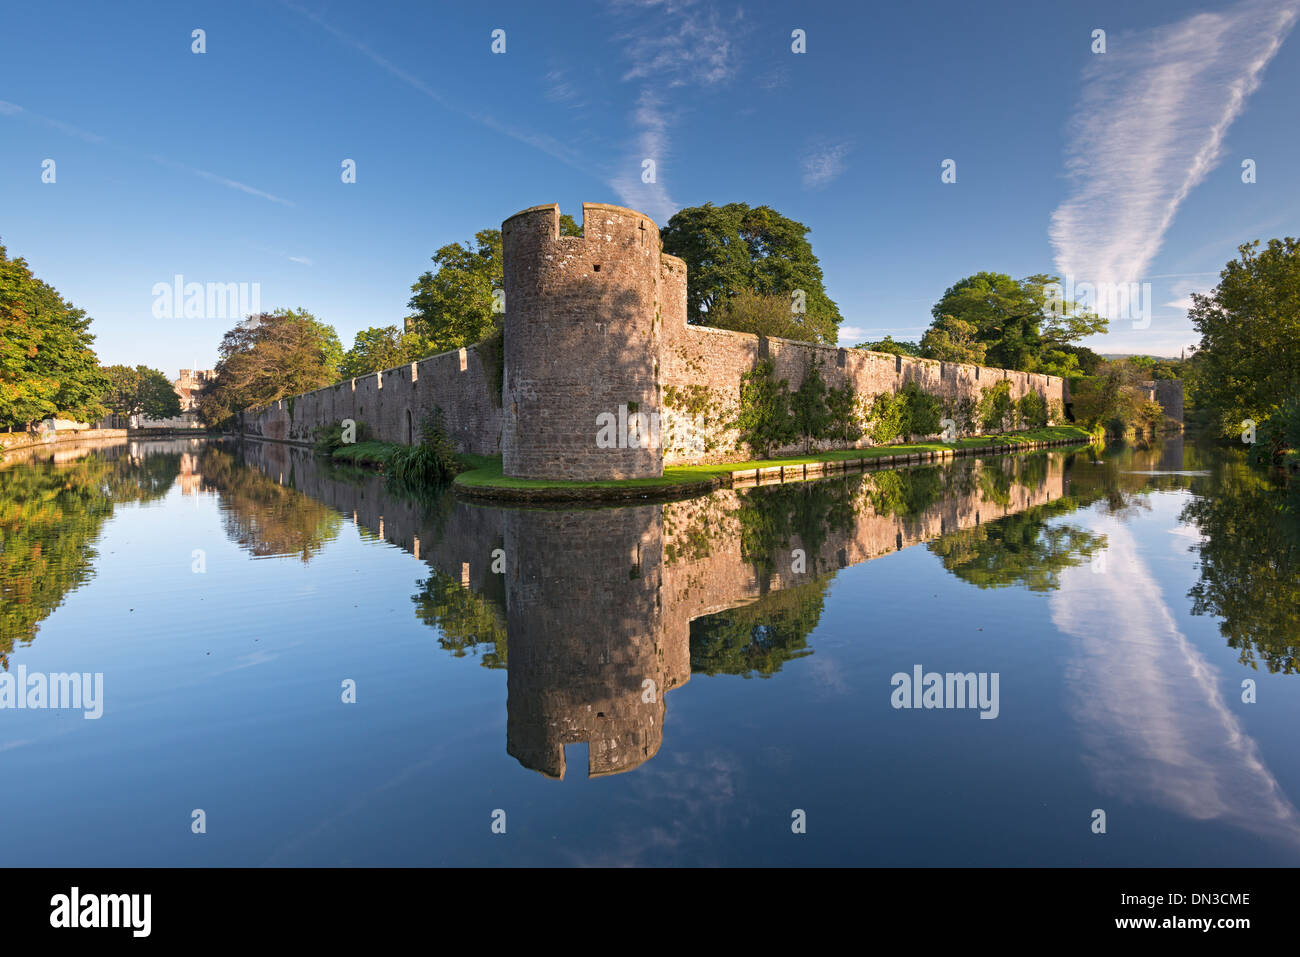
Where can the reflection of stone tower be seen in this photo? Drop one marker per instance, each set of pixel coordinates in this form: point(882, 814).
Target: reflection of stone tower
point(586, 635)
point(582, 339)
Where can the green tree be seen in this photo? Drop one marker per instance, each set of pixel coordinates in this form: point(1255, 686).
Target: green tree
point(1023, 324)
point(267, 357)
point(452, 305)
point(760, 313)
point(764, 419)
point(890, 345)
point(1088, 362)
point(733, 248)
point(812, 417)
point(950, 339)
point(379, 348)
point(47, 364)
point(1249, 355)
point(1113, 401)
point(140, 391)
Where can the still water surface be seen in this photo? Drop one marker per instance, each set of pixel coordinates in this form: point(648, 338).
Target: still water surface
point(660, 684)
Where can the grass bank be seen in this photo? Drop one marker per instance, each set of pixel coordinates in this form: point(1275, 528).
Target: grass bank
point(483, 477)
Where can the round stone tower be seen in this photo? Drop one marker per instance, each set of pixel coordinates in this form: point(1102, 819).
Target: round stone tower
point(582, 345)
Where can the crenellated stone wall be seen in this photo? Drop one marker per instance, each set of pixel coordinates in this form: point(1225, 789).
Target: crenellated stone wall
point(392, 404)
point(597, 343)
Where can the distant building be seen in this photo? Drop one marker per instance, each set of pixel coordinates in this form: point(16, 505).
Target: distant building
point(188, 388)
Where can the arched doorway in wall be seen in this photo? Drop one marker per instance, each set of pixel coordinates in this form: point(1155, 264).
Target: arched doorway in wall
point(410, 431)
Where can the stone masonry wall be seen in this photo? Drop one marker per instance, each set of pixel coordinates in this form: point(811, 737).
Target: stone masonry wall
point(595, 328)
point(392, 404)
point(701, 379)
point(582, 340)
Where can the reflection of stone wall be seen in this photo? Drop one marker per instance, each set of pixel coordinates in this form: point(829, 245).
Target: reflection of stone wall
point(599, 601)
point(583, 599)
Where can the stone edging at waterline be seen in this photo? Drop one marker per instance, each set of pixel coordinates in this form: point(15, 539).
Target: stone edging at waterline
point(739, 478)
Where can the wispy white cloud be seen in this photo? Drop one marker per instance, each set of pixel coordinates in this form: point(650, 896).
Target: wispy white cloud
point(220, 180)
point(822, 165)
point(301, 259)
point(547, 144)
point(13, 109)
point(560, 89)
point(684, 42)
point(1150, 126)
point(651, 142)
point(669, 45)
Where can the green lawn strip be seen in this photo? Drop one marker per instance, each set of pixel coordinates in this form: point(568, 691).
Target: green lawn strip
point(485, 471)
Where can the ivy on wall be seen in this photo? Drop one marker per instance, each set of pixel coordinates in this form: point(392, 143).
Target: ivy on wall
point(764, 420)
point(996, 408)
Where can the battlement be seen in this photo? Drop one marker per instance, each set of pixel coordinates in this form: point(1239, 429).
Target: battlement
point(602, 223)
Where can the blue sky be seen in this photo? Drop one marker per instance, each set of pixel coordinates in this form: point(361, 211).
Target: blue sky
point(225, 166)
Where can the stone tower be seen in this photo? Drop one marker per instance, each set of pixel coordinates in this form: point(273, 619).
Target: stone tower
point(582, 345)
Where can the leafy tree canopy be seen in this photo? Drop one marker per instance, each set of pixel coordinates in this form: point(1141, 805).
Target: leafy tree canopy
point(1022, 324)
point(267, 357)
point(1248, 362)
point(737, 248)
point(892, 346)
point(452, 305)
point(379, 348)
point(47, 364)
point(140, 391)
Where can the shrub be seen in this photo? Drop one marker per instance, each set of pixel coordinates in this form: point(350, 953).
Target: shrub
point(1033, 409)
point(842, 407)
point(812, 418)
point(329, 438)
point(887, 417)
point(922, 411)
point(1278, 435)
point(995, 407)
point(764, 420)
point(432, 462)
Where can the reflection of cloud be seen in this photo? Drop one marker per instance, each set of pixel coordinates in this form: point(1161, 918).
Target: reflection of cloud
point(695, 794)
point(827, 672)
point(1154, 723)
point(1154, 113)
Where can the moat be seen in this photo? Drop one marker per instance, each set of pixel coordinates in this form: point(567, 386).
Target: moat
point(335, 673)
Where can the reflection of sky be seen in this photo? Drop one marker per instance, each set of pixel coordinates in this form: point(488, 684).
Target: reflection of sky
point(1155, 724)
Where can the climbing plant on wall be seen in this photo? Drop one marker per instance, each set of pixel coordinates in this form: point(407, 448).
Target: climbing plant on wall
point(764, 420)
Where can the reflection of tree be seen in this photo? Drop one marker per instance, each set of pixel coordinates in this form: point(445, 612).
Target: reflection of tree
point(1021, 549)
point(264, 516)
point(758, 638)
point(50, 517)
point(771, 516)
point(464, 620)
point(905, 493)
point(1250, 564)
